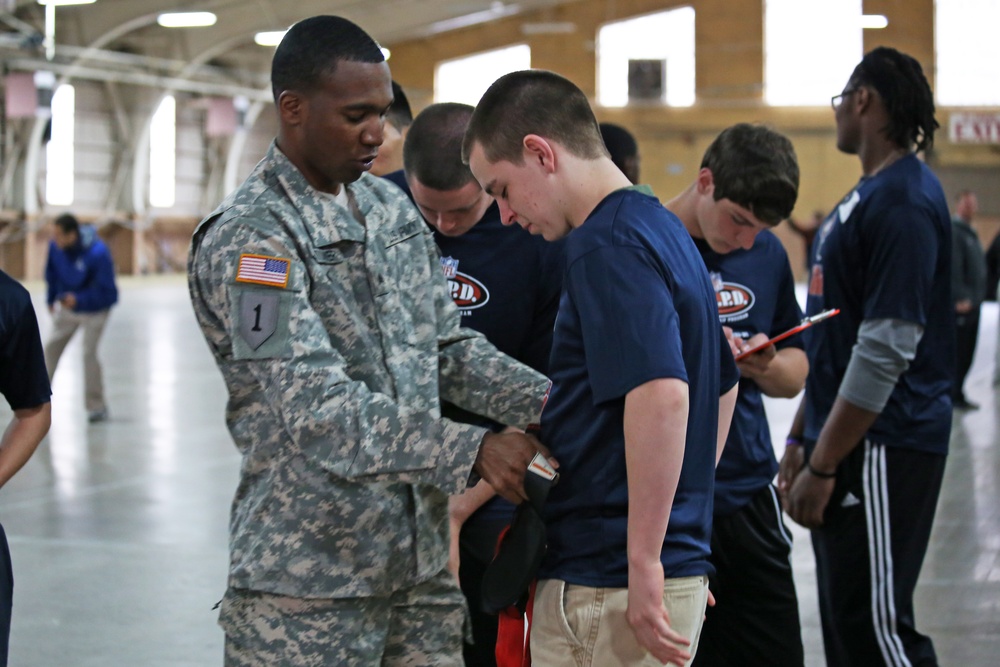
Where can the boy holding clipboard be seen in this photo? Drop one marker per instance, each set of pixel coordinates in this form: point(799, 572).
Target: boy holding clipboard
point(748, 183)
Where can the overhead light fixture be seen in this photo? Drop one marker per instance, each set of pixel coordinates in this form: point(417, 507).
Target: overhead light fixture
point(497, 10)
point(385, 52)
point(873, 21)
point(49, 41)
point(548, 28)
point(269, 38)
point(186, 19)
point(64, 3)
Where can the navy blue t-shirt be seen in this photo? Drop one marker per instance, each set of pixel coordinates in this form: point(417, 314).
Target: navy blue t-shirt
point(755, 290)
point(637, 306)
point(506, 283)
point(24, 382)
point(885, 253)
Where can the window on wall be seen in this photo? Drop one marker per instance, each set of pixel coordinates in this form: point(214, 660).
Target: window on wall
point(647, 58)
point(59, 149)
point(810, 49)
point(967, 52)
point(466, 79)
point(163, 154)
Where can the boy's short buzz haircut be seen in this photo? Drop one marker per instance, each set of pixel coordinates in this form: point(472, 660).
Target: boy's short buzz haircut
point(432, 151)
point(533, 102)
point(755, 167)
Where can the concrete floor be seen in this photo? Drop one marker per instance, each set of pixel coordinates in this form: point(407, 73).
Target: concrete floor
point(118, 530)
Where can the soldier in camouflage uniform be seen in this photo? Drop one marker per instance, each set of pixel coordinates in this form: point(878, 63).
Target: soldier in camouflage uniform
point(327, 312)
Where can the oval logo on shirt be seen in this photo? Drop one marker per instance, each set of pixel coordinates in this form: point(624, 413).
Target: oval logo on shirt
point(467, 292)
point(734, 300)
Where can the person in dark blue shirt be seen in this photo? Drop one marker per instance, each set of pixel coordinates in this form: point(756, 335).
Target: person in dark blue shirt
point(643, 390)
point(876, 415)
point(506, 283)
point(747, 183)
point(81, 291)
point(24, 383)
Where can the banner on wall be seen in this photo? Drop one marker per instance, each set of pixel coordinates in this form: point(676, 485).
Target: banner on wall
point(222, 118)
point(974, 128)
point(22, 96)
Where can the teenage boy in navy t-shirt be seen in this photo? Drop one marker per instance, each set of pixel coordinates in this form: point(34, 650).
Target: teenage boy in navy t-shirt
point(876, 416)
point(747, 183)
point(506, 284)
point(24, 383)
point(644, 384)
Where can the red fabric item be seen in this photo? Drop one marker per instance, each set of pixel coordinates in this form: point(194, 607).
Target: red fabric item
point(514, 628)
point(514, 634)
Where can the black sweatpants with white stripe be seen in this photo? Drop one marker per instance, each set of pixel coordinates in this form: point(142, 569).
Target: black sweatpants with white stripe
point(868, 556)
point(755, 620)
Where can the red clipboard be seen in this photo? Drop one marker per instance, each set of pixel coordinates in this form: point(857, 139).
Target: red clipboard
point(801, 326)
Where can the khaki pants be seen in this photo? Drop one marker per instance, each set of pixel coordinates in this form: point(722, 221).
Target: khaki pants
point(64, 325)
point(579, 626)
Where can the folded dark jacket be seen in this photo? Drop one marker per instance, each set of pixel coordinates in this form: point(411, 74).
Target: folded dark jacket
point(521, 546)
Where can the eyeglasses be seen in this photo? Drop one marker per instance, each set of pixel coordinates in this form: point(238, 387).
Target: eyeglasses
point(837, 100)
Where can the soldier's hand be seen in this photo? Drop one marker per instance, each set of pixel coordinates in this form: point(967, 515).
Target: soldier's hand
point(503, 461)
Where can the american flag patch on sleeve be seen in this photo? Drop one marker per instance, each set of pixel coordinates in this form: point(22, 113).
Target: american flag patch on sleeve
point(262, 270)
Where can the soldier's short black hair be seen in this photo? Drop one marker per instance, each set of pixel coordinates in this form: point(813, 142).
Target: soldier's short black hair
point(399, 113)
point(68, 223)
point(909, 102)
point(533, 102)
point(432, 152)
point(310, 50)
point(755, 167)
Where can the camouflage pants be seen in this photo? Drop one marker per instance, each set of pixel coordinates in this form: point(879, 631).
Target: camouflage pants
point(413, 628)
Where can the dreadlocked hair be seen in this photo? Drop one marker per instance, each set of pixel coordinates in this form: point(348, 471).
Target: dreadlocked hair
point(907, 96)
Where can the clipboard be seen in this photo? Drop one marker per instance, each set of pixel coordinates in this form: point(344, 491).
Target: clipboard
point(801, 326)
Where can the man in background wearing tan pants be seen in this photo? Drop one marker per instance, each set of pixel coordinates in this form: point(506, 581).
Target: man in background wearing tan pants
point(81, 290)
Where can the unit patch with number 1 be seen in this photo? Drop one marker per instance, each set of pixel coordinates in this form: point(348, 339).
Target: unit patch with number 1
point(261, 314)
point(258, 317)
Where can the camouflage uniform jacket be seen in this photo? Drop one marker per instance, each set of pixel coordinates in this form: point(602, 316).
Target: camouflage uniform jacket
point(334, 383)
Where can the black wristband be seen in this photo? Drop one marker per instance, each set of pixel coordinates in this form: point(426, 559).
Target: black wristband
point(817, 473)
point(793, 440)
